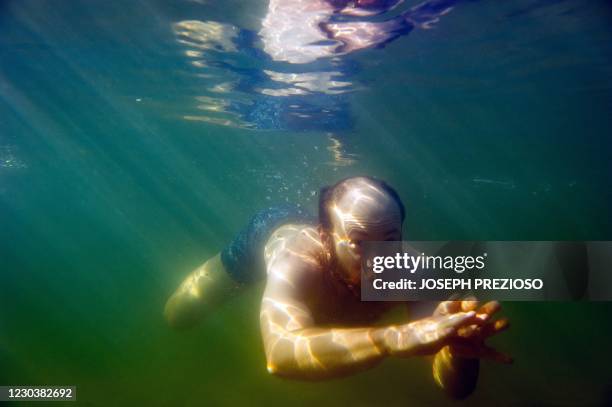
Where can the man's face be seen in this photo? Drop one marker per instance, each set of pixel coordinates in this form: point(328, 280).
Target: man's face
point(361, 215)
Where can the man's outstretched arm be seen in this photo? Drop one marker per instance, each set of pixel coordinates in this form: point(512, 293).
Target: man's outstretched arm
point(295, 347)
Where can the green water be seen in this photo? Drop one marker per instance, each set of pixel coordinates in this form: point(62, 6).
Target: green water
point(494, 125)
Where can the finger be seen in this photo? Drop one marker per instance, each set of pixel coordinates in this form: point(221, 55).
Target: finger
point(490, 308)
point(469, 304)
point(469, 331)
point(447, 332)
point(495, 327)
point(486, 330)
point(448, 307)
point(459, 319)
point(485, 312)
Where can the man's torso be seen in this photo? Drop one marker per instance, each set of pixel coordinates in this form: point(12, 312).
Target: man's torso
point(329, 300)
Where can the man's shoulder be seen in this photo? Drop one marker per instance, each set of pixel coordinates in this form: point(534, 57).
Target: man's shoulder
point(294, 239)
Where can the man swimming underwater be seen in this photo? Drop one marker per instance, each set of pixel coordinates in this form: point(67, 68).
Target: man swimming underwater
point(313, 323)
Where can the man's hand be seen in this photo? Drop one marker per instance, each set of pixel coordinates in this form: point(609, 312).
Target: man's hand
point(469, 341)
point(427, 336)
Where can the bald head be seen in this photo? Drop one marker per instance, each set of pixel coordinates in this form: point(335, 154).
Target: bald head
point(360, 201)
point(353, 211)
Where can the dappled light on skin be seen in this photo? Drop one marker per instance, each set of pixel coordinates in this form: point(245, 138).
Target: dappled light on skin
point(192, 283)
point(292, 316)
point(364, 208)
point(277, 248)
point(283, 340)
point(304, 355)
point(291, 344)
point(363, 213)
point(279, 244)
point(311, 304)
point(419, 332)
point(282, 320)
point(427, 331)
point(442, 364)
point(344, 218)
point(349, 341)
point(295, 347)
